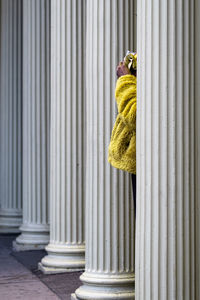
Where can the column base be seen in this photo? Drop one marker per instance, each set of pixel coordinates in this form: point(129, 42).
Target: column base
point(33, 237)
point(10, 220)
point(51, 270)
point(63, 259)
point(100, 286)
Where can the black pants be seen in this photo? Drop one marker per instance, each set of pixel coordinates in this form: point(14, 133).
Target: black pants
point(133, 177)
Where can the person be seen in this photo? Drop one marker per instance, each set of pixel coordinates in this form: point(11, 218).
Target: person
point(122, 147)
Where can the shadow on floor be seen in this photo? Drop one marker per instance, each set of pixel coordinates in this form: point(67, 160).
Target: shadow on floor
point(63, 285)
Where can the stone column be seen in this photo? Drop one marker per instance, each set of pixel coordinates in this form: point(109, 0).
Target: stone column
point(165, 237)
point(36, 105)
point(109, 270)
point(10, 116)
point(197, 143)
point(66, 250)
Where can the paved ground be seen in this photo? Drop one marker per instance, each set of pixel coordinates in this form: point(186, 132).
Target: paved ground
point(20, 278)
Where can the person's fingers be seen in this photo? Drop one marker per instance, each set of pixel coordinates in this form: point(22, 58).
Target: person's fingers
point(119, 72)
point(120, 64)
point(118, 69)
point(122, 69)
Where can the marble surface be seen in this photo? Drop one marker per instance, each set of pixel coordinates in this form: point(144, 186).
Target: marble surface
point(21, 279)
point(16, 281)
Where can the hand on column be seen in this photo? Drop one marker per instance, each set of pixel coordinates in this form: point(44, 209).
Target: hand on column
point(122, 69)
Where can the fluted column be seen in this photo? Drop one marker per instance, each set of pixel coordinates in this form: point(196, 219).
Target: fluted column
point(109, 270)
point(36, 104)
point(66, 250)
point(165, 237)
point(10, 115)
point(197, 143)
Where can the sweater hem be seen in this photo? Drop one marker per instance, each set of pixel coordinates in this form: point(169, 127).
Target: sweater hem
point(121, 166)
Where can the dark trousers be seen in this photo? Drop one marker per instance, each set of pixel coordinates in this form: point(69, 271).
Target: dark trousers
point(133, 177)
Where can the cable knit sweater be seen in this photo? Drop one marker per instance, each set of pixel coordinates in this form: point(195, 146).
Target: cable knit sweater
point(122, 148)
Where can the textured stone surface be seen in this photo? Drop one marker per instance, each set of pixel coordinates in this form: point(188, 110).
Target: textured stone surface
point(109, 207)
point(56, 270)
point(197, 142)
point(66, 250)
point(61, 284)
point(36, 127)
point(165, 241)
point(10, 115)
point(16, 281)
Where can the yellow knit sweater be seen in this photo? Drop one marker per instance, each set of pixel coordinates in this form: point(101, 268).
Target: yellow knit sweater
point(122, 148)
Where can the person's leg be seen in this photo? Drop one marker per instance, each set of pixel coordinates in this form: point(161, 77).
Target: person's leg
point(133, 177)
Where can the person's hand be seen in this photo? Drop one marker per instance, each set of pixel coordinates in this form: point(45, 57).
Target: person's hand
point(122, 69)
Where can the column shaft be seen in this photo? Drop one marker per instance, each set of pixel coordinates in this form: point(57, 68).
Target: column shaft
point(165, 241)
point(10, 116)
point(197, 143)
point(66, 250)
point(109, 206)
point(36, 112)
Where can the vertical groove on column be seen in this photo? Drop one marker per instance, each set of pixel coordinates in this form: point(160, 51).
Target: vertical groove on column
point(67, 239)
point(165, 265)
point(36, 105)
point(194, 257)
point(197, 145)
point(109, 204)
point(10, 119)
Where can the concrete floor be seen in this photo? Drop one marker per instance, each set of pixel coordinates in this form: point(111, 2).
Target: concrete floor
point(21, 279)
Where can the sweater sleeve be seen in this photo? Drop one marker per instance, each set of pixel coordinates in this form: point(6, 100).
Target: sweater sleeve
point(125, 94)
